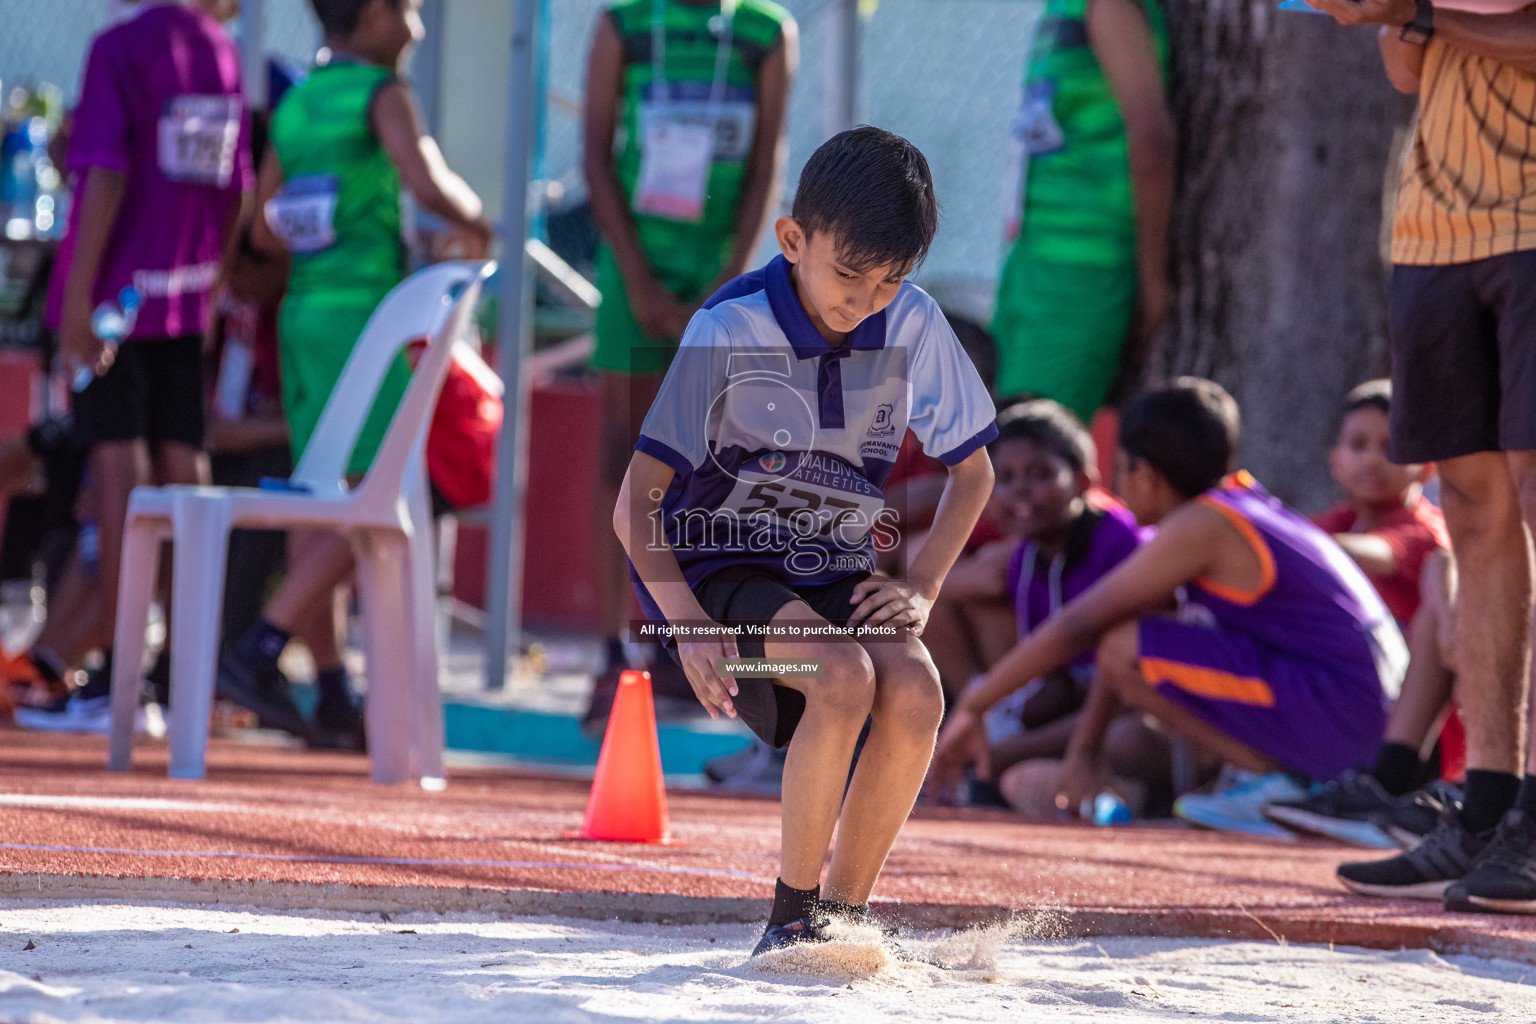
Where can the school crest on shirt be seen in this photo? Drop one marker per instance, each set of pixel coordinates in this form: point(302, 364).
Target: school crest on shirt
point(884, 423)
point(773, 462)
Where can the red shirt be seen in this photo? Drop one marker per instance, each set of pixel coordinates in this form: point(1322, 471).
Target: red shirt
point(1411, 533)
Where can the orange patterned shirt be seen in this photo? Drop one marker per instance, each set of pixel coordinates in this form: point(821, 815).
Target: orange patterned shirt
point(1469, 185)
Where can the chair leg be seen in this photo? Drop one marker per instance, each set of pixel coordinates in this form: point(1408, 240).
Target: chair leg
point(383, 585)
point(427, 716)
point(135, 594)
point(197, 595)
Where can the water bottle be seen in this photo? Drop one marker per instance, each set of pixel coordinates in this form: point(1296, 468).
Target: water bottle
point(1109, 809)
point(111, 322)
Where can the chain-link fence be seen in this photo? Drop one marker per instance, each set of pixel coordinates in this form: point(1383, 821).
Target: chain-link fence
point(945, 73)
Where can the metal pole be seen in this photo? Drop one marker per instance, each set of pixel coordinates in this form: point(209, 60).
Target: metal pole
point(253, 59)
point(839, 109)
point(504, 569)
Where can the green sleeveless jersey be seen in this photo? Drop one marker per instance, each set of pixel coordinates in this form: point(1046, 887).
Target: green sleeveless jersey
point(345, 184)
point(1077, 204)
point(688, 60)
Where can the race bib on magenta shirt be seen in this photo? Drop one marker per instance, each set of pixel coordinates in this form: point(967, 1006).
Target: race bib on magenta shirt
point(197, 137)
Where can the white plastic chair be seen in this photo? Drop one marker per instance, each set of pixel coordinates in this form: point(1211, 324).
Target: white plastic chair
point(387, 517)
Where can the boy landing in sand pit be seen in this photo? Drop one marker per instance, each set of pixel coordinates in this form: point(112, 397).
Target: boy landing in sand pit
point(754, 499)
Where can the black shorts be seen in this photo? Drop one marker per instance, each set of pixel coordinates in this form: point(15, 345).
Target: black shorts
point(153, 392)
point(734, 597)
point(1464, 358)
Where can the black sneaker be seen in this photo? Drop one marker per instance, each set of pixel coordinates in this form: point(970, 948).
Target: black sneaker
point(264, 691)
point(337, 725)
point(604, 689)
point(1353, 809)
point(158, 680)
point(1417, 813)
point(1504, 877)
point(782, 936)
point(1424, 872)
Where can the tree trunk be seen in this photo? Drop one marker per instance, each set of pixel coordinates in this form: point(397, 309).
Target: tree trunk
point(1287, 127)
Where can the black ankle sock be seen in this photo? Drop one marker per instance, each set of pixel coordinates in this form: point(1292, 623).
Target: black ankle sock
point(263, 643)
point(1526, 799)
point(792, 904)
point(333, 686)
point(847, 911)
point(613, 650)
point(1488, 796)
point(98, 684)
point(1397, 767)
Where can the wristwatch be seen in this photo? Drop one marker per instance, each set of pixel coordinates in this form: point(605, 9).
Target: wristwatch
point(1422, 26)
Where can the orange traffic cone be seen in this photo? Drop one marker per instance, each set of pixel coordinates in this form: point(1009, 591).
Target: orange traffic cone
point(629, 802)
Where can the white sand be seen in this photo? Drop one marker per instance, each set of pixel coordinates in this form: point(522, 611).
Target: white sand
point(173, 963)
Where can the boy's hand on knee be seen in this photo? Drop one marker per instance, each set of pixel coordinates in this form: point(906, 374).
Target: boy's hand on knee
point(881, 600)
point(701, 660)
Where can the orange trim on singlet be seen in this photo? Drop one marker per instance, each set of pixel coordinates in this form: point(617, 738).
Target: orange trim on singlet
point(1208, 682)
point(1255, 539)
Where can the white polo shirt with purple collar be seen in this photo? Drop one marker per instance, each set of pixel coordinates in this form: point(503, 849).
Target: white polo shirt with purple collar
point(782, 443)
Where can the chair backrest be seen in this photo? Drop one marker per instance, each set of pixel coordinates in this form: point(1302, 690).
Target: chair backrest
point(405, 440)
point(415, 308)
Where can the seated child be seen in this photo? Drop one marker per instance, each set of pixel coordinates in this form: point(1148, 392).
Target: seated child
point(1398, 538)
point(755, 489)
point(1280, 654)
point(1064, 539)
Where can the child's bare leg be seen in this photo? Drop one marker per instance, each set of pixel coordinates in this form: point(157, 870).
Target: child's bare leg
point(904, 723)
point(317, 562)
point(816, 767)
point(951, 645)
point(320, 627)
point(1120, 668)
point(73, 628)
point(1426, 687)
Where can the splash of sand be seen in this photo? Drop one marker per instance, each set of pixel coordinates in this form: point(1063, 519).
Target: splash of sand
point(853, 953)
point(976, 949)
point(857, 952)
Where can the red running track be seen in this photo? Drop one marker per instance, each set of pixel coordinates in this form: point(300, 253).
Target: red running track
point(285, 828)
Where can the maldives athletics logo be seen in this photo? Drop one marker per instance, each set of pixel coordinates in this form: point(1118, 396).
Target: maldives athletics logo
point(773, 462)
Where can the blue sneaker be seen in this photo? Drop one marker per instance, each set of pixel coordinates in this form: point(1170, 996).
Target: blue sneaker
point(1237, 802)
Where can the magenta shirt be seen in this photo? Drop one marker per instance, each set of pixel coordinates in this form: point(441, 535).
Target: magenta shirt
point(163, 103)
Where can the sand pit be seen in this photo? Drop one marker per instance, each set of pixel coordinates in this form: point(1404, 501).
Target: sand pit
point(94, 963)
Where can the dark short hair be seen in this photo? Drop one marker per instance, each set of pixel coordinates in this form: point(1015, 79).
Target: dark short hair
point(1373, 394)
point(1187, 431)
point(871, 189)
point(1051, 426)
point(339, 17)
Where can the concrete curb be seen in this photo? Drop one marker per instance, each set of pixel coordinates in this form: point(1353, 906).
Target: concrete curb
point(1459, 935)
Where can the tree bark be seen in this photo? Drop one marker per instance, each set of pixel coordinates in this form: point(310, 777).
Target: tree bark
point(1287, 128)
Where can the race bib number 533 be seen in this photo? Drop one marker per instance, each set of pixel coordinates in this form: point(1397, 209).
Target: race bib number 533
point(196, 139)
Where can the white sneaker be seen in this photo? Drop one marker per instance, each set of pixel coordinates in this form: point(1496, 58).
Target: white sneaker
point(1236, 803)
point(93, 714)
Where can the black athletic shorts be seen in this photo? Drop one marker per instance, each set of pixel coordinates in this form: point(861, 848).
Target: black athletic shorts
point(153, 392)
point(1464, 358)
point(735, 597)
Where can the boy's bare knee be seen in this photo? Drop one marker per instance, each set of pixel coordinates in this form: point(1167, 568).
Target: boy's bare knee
point(846, 686)
point(909, 695)
point(1119, 654)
